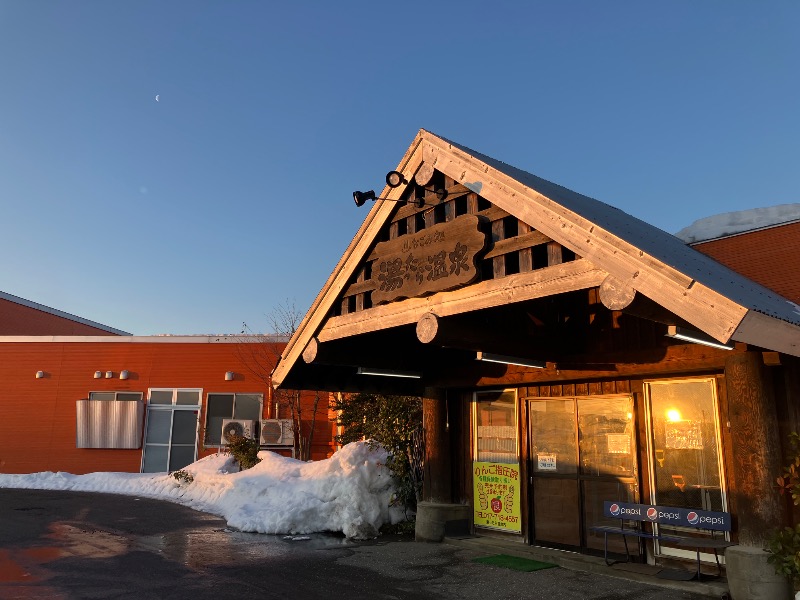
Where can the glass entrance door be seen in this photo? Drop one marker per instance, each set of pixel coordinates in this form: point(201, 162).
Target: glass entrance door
point(583, 452)
point(684, 450)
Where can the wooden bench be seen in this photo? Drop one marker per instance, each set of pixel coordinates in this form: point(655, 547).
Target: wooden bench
point(666, 515)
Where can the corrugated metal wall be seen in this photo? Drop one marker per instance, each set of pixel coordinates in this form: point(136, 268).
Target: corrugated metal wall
point(109, 424)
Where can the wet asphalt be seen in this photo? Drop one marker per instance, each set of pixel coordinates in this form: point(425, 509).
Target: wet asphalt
point(66, 545)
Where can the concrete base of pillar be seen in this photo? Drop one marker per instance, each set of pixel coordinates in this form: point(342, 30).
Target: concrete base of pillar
point(751, 577)
point(432, 518)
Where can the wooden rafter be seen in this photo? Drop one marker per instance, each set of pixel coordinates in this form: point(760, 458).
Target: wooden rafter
point(558, 279)
point(539, 217)
point(696, 303)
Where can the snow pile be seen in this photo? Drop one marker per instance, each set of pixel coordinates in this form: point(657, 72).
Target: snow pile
point(349, 492)
point(711, 228)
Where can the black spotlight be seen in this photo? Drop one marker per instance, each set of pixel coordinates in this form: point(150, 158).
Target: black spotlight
point(361, 197)
point(395, 179)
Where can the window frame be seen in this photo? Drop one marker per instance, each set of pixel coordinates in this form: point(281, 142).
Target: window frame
point(175, 391)
point(208, 443)
point(116, 396)
point(477, 401)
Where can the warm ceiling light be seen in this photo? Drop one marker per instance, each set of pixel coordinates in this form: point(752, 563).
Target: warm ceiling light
point(510, 360)
point(389, 373)
point(689, 335)
point(673, 415)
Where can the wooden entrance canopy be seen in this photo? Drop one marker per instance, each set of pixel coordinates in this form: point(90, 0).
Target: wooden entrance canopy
point(545, 248)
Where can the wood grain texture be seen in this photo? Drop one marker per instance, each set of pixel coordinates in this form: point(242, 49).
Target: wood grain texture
point(616, 294)
point(438, 258)
point(754, 434)
point(575, 275)
point(698, 304)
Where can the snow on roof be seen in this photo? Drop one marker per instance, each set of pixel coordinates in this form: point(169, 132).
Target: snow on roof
point(350, 492)
point(733, 223)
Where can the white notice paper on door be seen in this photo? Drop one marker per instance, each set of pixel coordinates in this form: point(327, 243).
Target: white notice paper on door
point(546, 462)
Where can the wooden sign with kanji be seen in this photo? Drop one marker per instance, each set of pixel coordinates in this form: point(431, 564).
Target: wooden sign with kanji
point(436, 259)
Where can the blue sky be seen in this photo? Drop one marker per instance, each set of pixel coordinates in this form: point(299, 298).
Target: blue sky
point(232, 194)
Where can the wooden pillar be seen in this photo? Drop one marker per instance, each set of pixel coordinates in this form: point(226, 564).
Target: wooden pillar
point(436, 485)
point(756, 447)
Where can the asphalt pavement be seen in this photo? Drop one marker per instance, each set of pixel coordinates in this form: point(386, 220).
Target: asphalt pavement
point(67, 545)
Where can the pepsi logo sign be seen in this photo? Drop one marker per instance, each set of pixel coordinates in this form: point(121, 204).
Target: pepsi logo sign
point(693, 518)
point(652, 513)
point(614, 509)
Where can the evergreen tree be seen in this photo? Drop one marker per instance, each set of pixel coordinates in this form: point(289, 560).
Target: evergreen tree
point(394, 422)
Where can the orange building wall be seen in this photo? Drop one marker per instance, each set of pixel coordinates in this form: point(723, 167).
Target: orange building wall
point(17, 319)
point(37, 416)
point(769, 257)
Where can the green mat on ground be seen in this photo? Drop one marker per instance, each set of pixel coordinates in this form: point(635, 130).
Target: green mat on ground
point(513, 562)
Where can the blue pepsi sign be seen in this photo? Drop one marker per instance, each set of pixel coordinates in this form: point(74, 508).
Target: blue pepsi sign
point(668, 515)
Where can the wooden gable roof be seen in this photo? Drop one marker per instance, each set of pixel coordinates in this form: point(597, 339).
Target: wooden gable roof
point(608, 244)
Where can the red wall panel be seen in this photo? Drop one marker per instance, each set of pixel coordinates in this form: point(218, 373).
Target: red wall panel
point(37, 416)
point(769, 257)
point(17, 319)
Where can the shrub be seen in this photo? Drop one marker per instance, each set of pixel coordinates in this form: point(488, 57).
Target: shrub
point(183, 476)
point(244, 451)
point(784, 544)
point(394, 422)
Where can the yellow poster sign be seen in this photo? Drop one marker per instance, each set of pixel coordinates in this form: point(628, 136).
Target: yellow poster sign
point(496, 489)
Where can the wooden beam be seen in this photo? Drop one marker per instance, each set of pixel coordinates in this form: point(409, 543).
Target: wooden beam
point(397, 349)
point(756, 447)
point(616, 294)
point(436, 486)
point(566, 277)
point(468, 333)
point(765, 332)
point(703, 307)
point(678, 358)
point(519, 242)
point(424, 174)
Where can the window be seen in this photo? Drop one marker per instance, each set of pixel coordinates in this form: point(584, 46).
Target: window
point(115, 396)
point(496, 426)
point(229, 406)
point(177, 397)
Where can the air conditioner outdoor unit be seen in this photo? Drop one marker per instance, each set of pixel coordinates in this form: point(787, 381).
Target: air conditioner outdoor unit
point(277, 432)
point(241, 427)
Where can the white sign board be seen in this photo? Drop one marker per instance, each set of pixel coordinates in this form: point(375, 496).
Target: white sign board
point(546, 462)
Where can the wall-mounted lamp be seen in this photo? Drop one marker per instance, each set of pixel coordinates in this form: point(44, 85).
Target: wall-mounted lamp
point(39, 374)
point(98, 374)
point(109, 374)
point(229, 375)
point(510, 360)
point(123, 374)
point(689, 335)
point(389, 373)
point(395, 179)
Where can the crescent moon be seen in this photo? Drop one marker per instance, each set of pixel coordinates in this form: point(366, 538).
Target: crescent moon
point(157, 95)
